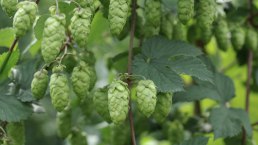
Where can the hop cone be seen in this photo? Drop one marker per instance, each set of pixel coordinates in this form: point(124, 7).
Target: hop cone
point(185, 10)
point(118, 101)
point(93, 77)
point(9, 6)
point(146, 97)
point(167, 26)
point(117, 16)
point(180, 32)
point(92, 4)
point(100, 100)
point(78, 137)
point(39, 84)
point(238, 38)
point(80, 26)
point(251, 39)
point(152, 13)
point(53, 37)
point(175, 132)
point(81, 79)
point(206, 10)
point(16, 133)
point(59, 90)
point(221, 34)
point(206, 35)
point(64, 123)
point(163, 107)
point(24, 17)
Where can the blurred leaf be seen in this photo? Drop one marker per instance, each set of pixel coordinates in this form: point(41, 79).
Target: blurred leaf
point(256, 76)
point(6, 37)
point(39, 27)
point(11, 62)
point(67, 9)
point(35, 47)
point(229, 122)
point(196, 141)
point(163, 60)
point(238, 16)
point(25, 96)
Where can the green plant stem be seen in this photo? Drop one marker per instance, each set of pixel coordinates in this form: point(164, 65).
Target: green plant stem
point(129, 69)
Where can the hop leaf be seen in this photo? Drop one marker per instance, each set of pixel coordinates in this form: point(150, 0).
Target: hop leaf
point(64, 123)
point(78, 137)
point(117, 15)
point(238, 38)
point(39, 84)
point(180, 32)
point(59, 91)
point(251, 39)
point(118, 101)
point(206, 10)
point(167, 23)
point(16, 133)
point(100, 100)
point(53, 37)
point(185, 10)
point(24, 17)
point(221, 33)
point(9, 6)
point(163, 106)
point(81, 79)
point(146, 96)
point(80, 26)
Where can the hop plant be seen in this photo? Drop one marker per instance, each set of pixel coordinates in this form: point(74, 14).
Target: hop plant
point(205, 14)
point(53, 37)
point(117, 15)
point(80, 26)
point(185, 10)
point(59, 89)
point(175, 132)
point(251, 39)
point(118, 101)
point(206, 35)
point(238, 37)
point(152, 13)
point(93, 77)
point(87, 105)
point(16, 133)
point(180, 32)
point(119, 134)
point(64, 123)
point(24, 17)
point(100, 100)
point(221, 34)
point(146, 96)
point(78, 137)
point(9, 6)
point(92, 4)
point(39, 84)
point(88, 57)
point(81, 79)
point(163, 106)
point(167, 23)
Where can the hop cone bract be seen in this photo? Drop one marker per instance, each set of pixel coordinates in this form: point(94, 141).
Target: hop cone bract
point(39, 84)
point(185, 10)
point(9, 6)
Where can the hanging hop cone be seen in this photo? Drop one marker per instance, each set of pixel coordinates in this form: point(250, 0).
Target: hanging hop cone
point(64, 123)
point(221, 34)
point(117, 16)
point(24, 17)
point(92, 4)
point(185, 10)
point(53, 37)
point(77, 137)
point(39, 84)
point(100, 100)
point(16, 133)
point(238, 37)
point(167, 23)
point(118, 101)
point(9, 6)
point(206, 10)
point(180, 32)
point(146, 97)
point(59, 89)
point(251, 39)
point(163, 107)
point(176, 132)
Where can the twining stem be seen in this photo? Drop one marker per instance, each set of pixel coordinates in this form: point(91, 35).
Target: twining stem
point(129, 68)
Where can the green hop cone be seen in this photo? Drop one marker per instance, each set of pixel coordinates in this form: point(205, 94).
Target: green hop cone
point(16, 133)
point(93, 77)
point(39, 84)
point(24, 17)
point(221, 34)
point(175, 132)
point(163, 107)
point(238, 37)
point(251, 39)
point(146, 97)
point(80, 26)
point(118, 101)
point(53, 37)
point(180, 32)
point(78, 137)
point(59, 90)
point(92, 4)
point(100, 100)
point(196, 34)
point(81, 79)
point(9, 6)
point(64, 123)
point(205, 13)
point(152, 13)
point(167, 23)
point(206, 35)
point(185, 10)
point(117, 15)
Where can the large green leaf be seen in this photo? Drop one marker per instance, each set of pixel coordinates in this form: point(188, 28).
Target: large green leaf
point(6, 37)
point(163, 60)
point(228, 122)
point(196, 141)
